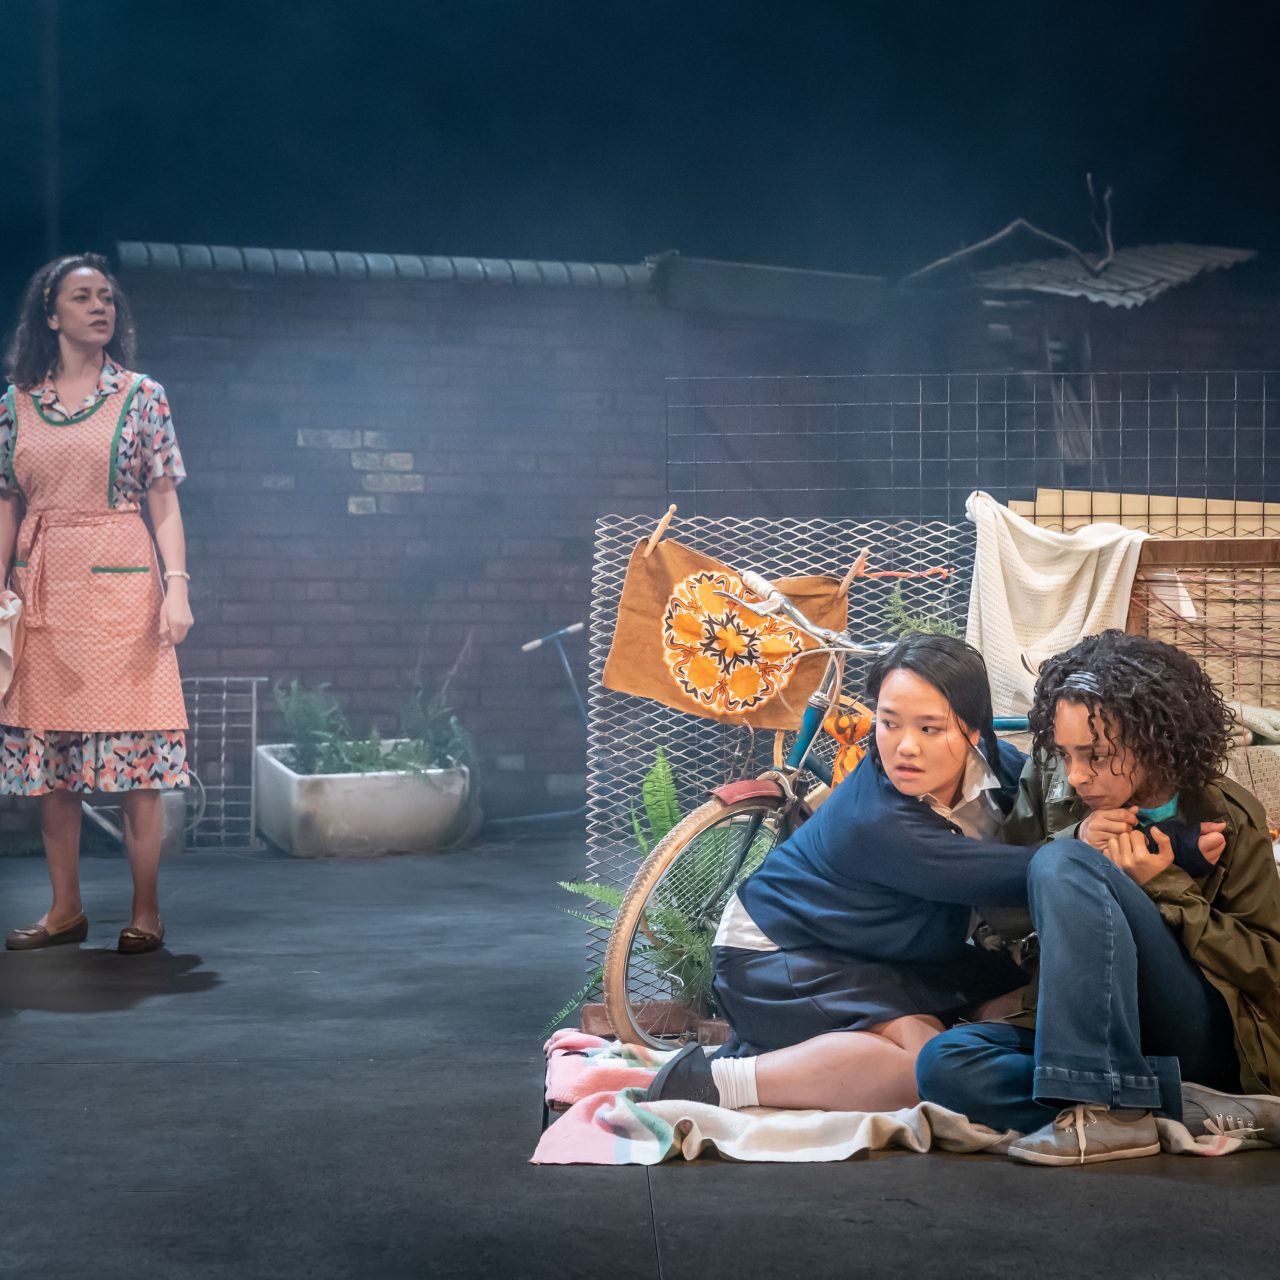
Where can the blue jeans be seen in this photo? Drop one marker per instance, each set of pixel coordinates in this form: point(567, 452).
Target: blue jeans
point(1124, 1013)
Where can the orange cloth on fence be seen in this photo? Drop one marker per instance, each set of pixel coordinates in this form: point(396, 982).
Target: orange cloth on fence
point(680, 643)
point(849, 725)
point(93, 661)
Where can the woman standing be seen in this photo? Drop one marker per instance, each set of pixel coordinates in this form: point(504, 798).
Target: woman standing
point(95, 702)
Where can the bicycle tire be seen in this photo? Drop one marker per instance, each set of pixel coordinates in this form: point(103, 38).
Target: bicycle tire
point(633, 988)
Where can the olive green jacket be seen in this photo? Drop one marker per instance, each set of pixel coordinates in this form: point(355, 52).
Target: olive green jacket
point(1228, 920)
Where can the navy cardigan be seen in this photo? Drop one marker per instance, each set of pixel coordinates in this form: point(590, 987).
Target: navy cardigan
point(879, 875)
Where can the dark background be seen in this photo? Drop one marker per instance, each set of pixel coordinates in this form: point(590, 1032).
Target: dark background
point(860, 136)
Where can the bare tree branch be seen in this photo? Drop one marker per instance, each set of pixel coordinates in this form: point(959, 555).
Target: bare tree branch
point(1103, 230)
point(463, 654)
point(1094, 266)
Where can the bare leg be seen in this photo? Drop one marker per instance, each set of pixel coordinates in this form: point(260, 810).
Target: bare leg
point(912, 1032)
point(848, 1070)
point(60, 827)
point(143, 832)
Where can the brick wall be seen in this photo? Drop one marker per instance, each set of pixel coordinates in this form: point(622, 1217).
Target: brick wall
point(380, 472)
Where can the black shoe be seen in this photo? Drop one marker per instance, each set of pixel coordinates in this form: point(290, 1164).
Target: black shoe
point(685, 1078)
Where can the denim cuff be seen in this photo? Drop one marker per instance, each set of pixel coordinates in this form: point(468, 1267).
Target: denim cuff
point(1160, 1092)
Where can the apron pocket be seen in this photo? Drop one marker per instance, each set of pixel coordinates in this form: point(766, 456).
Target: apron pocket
point(122, 598)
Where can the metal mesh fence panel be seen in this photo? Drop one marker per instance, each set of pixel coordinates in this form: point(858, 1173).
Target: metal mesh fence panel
point(1226, 616)
point(902, 446)
point(222, 714)
point(625, 732)
point(768, 473)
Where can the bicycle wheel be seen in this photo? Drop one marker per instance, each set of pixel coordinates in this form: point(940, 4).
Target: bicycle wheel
point(657, 966)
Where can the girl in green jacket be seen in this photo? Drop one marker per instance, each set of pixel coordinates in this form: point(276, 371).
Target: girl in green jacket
point(1159, 978)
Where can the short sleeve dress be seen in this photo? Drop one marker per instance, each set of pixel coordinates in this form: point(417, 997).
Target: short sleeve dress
point(96, 699)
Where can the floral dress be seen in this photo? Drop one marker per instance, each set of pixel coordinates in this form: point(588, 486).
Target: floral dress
point(37, 756)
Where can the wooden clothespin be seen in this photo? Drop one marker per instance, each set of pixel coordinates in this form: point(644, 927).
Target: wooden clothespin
point(857, 568)
point(656, 536)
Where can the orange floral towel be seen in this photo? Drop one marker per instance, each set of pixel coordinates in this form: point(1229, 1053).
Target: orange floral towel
point(678, 640)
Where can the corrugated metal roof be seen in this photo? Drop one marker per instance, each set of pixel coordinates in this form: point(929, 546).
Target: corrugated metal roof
point(135, 255)
point(1132, 277)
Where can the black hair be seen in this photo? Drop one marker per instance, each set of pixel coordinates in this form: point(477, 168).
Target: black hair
point(955, 669)
point(1152, 698)
point(33, 346)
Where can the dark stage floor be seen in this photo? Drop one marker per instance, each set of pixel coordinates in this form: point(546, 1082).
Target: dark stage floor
point(335, 1072)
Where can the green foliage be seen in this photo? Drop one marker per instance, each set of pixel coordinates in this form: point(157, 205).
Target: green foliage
point(584, 993)
point(684, 913)
point(901, 621)
point(681, 952)
point(658, 791)
point(315, 726)
point(611, 897)
point(604, 893)
point(435, 731)
point(661, 804)
point(322, 741)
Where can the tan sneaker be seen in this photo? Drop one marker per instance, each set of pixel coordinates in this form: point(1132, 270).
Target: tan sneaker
point(1089, 1134)
point(1231, 1115)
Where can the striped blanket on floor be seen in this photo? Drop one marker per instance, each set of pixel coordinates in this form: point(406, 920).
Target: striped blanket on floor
point(609, 1123)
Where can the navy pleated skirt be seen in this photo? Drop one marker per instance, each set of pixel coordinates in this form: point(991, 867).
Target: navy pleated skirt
point(773, 999)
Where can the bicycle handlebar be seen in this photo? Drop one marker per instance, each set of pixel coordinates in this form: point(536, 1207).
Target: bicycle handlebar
point(570, 630)
point(760, 585)
point(776, 602)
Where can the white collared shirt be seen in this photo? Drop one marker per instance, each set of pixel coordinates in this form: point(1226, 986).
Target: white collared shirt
point(975, 811)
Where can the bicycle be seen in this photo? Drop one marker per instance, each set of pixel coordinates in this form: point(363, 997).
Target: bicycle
point(657, 966)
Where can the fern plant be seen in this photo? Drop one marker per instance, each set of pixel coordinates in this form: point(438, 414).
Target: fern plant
point(901, 621)
point(610, 897)
point(661, 805)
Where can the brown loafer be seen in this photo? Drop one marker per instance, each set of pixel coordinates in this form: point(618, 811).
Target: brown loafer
point(34, 936)
point(134, 942)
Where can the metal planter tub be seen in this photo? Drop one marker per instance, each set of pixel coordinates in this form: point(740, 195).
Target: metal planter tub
point(346, 815)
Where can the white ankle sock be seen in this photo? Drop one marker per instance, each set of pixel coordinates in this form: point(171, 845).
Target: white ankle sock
point(736, 1080)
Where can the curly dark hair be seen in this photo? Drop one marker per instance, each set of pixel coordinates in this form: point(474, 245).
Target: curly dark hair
point(1153, 699)
point(33, 346)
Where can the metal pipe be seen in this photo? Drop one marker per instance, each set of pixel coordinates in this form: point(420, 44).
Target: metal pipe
point(51, 129)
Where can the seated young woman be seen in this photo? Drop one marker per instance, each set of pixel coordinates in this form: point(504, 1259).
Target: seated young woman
point(1159, 926)
point(848, 949)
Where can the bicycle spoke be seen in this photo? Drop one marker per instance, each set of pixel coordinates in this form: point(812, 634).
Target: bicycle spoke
point(670, 959)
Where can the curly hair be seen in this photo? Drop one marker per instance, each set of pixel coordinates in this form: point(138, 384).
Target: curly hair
point(1152, 698)
point(33, 346)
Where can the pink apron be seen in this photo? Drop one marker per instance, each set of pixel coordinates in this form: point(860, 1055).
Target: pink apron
point(93, 661)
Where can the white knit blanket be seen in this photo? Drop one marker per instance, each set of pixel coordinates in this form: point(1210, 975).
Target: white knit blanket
point(610, 1123)
point(1036, 592)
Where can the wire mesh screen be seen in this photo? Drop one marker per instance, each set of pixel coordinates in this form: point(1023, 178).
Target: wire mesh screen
point(895, 446)
point(222, 714)
point(625, 732)
point(1225, 616)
